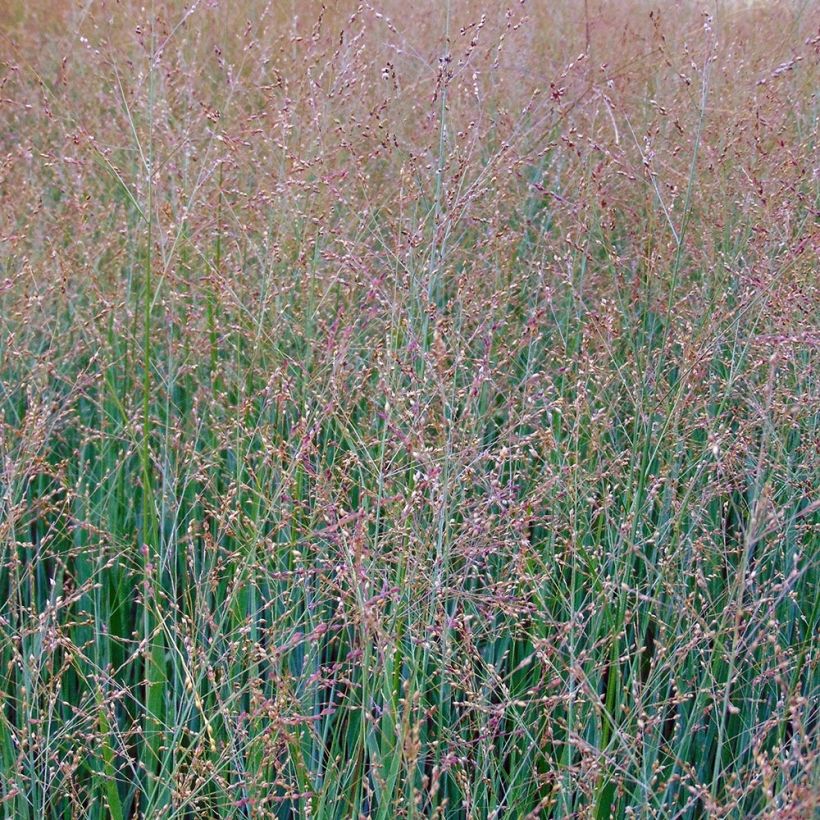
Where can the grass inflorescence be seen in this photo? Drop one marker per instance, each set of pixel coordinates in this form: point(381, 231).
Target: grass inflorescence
point(409, 409)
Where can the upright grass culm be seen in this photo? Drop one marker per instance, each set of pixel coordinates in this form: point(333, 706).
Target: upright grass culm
point(409, 410)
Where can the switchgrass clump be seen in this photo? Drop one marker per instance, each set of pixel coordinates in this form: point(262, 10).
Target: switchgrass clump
point(409, 410)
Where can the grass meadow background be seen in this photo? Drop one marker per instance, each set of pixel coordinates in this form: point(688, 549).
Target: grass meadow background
point(409, 409)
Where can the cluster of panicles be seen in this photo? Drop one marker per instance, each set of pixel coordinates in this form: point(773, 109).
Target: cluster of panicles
point(408, 409)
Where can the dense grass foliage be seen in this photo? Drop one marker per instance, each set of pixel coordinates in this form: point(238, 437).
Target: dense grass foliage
point(408, 409)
